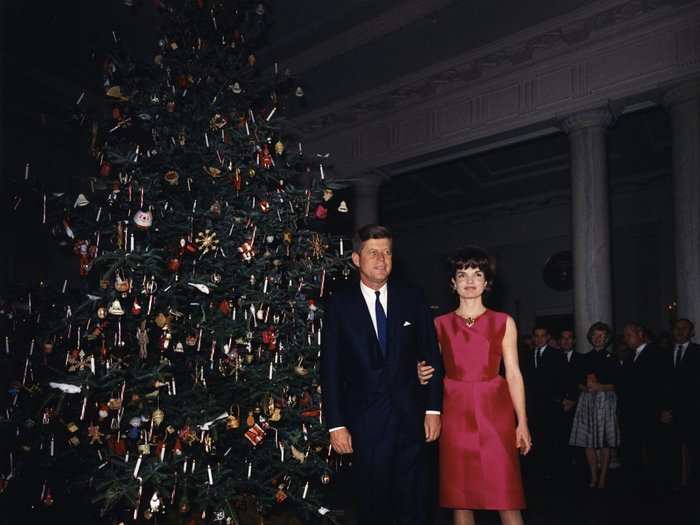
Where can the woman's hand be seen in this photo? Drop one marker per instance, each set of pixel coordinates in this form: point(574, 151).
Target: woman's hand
point(522, 439)
point(425, 372)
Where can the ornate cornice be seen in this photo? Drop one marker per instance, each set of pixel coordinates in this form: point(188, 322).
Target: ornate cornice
point(521, 49)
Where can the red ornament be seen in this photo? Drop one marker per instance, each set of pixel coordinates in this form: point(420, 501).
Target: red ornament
point(321, 212)
point(105, 169)
point(237, 180)
point(85, 254)
point(225, 307)
point(174, 264)
point(269, 338)
point(265, 157)
point(47, 500)
point(264, 205)
point(256, 433)
point(136, 307)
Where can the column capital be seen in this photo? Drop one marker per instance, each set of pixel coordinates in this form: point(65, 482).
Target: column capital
point(683, 92)
point(370, 182)
point(601, 118)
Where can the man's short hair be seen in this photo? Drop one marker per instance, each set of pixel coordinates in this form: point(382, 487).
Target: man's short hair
point(367, 232)
point(641, 328)
point(540, 326)
point(691, 324)
point(598, 326)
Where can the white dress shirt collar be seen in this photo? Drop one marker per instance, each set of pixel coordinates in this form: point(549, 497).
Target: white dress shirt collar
point(639, 350)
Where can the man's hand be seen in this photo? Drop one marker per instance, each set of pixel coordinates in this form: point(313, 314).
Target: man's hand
point(433, 425)
point(666, 417)
point(341, 440)
point(425, 372)
point(568, 404)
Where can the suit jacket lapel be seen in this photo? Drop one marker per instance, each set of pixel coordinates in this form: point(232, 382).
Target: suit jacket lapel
point(363, 314)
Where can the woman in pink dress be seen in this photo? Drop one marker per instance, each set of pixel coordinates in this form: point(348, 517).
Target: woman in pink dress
point(479, 465)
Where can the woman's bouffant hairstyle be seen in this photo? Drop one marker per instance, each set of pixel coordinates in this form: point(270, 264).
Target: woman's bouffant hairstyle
point(476, 258)
point(598, 326)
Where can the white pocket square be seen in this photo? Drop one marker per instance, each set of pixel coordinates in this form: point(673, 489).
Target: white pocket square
point(407, 323)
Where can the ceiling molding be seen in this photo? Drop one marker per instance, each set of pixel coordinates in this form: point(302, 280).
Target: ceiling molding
point(452, 75)
point(638, 50)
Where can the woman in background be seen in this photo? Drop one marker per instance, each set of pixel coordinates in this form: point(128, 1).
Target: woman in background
point(595, 425)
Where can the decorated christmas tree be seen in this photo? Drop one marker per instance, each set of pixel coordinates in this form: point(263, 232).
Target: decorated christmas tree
point(176, 374)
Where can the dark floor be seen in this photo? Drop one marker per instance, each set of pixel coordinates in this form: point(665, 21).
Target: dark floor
point(565, 500)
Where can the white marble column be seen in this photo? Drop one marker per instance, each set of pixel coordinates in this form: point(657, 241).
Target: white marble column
point(367, 200)
point(590, 220)
point(683, 103)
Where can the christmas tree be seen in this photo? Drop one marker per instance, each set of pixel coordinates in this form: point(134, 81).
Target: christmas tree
point(178, 376)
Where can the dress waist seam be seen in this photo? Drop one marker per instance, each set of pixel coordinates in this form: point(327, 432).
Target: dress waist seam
point(483, 380)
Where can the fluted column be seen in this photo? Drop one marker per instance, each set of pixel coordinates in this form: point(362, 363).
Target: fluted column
point(590, 220)
point(367, 200)
point(683, 103)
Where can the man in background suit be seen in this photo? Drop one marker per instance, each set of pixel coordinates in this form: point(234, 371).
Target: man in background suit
point(643, 395)
point(374, 334)
point(573, 375)
point(682, 400)
point(544, 374)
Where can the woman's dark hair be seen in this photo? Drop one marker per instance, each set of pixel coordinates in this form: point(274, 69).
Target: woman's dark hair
point(476, 258)
point(598, 326)
point(367, 232)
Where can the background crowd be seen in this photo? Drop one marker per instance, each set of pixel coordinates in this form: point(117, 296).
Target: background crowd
point(629, 404)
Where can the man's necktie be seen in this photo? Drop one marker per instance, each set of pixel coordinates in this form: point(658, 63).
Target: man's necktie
point(677, 357)
point(538, 357)
point(381, 323)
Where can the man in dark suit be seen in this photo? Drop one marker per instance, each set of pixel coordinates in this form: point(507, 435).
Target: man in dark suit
point(682, 400)
point(545, 386)
point(374, 334)
point(573, 376)
point(643, 395)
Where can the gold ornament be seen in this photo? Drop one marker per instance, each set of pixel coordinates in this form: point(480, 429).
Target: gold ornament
point(172, 177)
point(279, 147)
point(95, 435)
point(162, 320)
point(212, 171)
point(233, 421)
point(158, 416)
point(318, 248)
point(206, 241)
